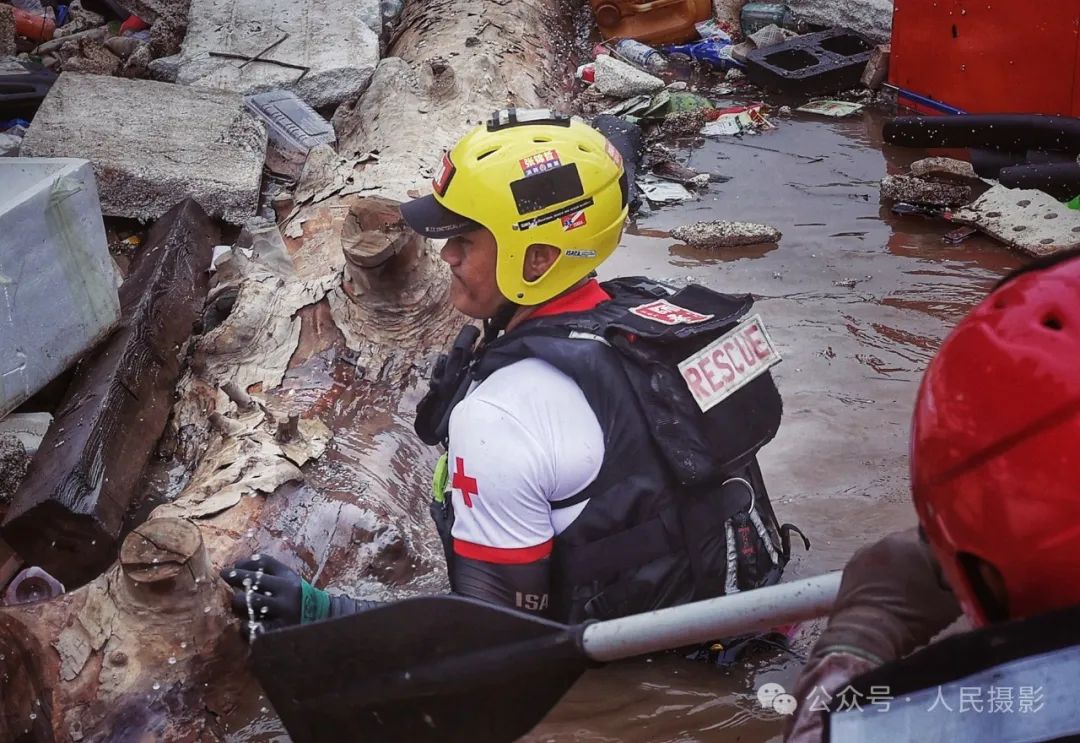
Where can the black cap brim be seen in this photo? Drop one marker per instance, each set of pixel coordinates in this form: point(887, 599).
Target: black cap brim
point(431, 219)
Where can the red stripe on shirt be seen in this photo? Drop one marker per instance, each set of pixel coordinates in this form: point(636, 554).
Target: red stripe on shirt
point(585, 297)
point(502, 555)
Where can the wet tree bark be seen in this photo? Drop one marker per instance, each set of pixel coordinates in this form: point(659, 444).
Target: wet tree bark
point(342, 345)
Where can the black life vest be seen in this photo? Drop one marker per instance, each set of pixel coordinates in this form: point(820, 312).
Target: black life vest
point(1002, 684)
point(679, 510)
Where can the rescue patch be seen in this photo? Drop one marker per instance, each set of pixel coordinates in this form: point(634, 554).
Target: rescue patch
point(540, 163)
point(729, 363)
point(573, 221)
point(442, 178)
point(663, 311)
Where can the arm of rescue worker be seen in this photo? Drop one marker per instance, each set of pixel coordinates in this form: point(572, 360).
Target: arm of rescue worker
point(892, 600)
point(525, 439)
point(269, 595)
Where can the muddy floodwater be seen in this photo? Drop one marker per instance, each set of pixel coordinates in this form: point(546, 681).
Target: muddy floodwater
point(857, 301)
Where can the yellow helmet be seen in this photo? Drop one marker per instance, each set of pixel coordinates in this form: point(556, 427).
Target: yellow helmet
point(530, 177)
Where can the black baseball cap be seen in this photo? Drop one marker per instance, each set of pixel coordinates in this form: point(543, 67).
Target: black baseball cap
point(431, 219)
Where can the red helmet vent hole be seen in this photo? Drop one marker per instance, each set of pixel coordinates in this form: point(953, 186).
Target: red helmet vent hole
point(1053, 322)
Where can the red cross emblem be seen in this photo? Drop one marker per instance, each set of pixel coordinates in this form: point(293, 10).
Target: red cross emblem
point(464, 483)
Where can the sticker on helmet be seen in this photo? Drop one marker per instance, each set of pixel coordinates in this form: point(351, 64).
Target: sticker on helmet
point(543, 219)
point(539, 163)
point(573, 221)
point(663, 311)
point(579, 253)
point(613, 153)
point(729, 363)
point(443, 176)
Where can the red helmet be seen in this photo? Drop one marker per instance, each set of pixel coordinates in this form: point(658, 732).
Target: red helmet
point(996, 427)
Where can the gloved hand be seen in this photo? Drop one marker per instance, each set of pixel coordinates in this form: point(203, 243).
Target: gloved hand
point(270, 596)
point(892, 600)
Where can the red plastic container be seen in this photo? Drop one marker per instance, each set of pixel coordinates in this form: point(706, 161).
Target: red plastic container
point(34, 27)
point(656, 22)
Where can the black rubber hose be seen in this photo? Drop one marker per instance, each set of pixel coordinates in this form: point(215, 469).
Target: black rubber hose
point(1008, 132)
point(1060, 180)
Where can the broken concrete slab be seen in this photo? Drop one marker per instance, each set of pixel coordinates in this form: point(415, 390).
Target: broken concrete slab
point(57, 283)
point(1030, 221)
point(872, 18)
point(918, 191)
point(877, 69)
point(7, 32)
point(313, 48)
point(721, 234)
point(153, 144)
point(69, 510)
point(151, 10)
point(618, 79)
point(13, 463)
point(945, 170)
point(28, 428)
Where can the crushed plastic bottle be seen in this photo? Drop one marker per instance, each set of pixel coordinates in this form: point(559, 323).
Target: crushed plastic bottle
point(640, 55)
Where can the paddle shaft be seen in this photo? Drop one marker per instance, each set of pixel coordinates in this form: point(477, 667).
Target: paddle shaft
point(702, 621)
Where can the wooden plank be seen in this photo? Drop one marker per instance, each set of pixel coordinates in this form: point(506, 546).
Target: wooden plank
point(67, 514)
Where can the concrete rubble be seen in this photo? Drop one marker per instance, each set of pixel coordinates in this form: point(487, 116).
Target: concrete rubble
point(723, 234)
point(153, 144)
point(877, 69)
point(918, 191)
point(945, 170)
point(13, 463)
point(152, 10)
point(28, 428)
point(7, 31)
point(1030, 221)
point(618, 79)
point(873, 18)
point(57, 290)
point(315, 48)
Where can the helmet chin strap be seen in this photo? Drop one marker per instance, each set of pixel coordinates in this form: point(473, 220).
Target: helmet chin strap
point(497, 323)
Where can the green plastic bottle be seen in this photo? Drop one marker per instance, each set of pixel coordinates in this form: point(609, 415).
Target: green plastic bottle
point(756, 16)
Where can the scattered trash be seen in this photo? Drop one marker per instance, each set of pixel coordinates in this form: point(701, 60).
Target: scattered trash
point(69, 511)
point(1028, 220)
point(79, 19)
point(713, 29)
point(670, 170)
point(821, 62)
point(587, 73)
point(945, 170)
point(652, 23)
point(959, 235)
point(294, 128)
point(722, 234)
point(31, 585)
point(640, 55)
point(715, 51)
point(262, 241)
point(916, 190)
point(756, 16)
point(621, 80)
point(770, 35)
point(33, 26)
point(877, 69)
point(684, 123)
point(734, 121)
point(60, 301)
point(664, 192)
point(826, 107)
point(1074, 204)
point(906, 209)
point(177, 142)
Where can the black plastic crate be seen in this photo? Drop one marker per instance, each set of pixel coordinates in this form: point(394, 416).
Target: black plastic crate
point(828, 61)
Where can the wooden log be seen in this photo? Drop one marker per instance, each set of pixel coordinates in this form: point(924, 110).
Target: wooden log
point(68, 512)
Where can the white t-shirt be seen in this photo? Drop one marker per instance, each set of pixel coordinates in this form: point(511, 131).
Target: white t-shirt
point(522, 438)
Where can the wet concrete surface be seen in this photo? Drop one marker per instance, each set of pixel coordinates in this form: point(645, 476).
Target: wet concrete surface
point(857, 301)
point(853, 357)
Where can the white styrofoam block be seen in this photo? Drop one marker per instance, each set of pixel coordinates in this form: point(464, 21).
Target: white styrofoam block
point(57, 282)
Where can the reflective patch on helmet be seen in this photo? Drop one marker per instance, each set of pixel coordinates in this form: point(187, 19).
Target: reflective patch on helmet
point(528, 224)
point(540, 163)
point(445, 173)
point(613, 153)
point(572, 222)
point(580, 253)
point(663, 311)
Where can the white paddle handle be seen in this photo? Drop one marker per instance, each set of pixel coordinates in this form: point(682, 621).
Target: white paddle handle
point(713, 619)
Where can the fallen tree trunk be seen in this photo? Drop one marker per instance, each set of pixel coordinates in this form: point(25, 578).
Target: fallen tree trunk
point(328, 350)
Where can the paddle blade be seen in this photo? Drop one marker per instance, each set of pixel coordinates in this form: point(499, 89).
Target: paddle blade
point(435, 668)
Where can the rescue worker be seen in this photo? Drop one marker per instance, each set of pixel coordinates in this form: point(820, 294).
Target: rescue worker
point(583, 478)
point(997, 492)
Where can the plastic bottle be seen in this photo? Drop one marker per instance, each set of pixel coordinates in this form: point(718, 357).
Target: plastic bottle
point(642, 55)
point(756, 16)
